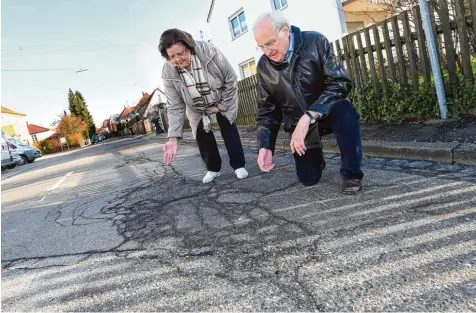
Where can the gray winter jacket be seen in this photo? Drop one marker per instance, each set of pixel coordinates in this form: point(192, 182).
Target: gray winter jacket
point(221, 78)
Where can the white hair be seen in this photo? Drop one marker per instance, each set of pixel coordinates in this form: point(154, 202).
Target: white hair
point(277, 18)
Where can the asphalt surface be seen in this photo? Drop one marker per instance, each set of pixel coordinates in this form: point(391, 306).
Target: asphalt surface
point(111, 228)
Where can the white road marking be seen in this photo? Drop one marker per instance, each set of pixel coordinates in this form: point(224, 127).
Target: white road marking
point(59, 182)
point(10, 231)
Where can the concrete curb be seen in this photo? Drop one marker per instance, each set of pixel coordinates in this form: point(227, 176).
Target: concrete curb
point(465, 154)
point(442, 152)
point(420, 151)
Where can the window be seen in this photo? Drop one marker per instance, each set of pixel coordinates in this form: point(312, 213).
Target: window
point(238, 24)
point(248, 68)
point(34, 138)
point(279, 4)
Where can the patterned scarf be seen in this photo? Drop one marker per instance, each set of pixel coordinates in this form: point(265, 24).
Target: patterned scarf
point(197, 85)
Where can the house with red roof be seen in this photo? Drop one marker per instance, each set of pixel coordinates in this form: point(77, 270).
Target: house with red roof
point(39, 133)
point(123, 118)
point(136, 123)
point(125, 114)
point(140, 121)
point(104, 127)
point(136, 119)
point(113, 123)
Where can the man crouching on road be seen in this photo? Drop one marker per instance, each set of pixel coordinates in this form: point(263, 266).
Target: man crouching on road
point(300, 78)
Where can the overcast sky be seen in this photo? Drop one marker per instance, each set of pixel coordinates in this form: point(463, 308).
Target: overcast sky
point(45, 42)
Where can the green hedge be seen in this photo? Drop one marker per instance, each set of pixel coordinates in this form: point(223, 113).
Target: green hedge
point(410, 104)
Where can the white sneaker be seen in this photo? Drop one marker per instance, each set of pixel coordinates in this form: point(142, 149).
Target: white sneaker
point(210, 176)
point(241, 173)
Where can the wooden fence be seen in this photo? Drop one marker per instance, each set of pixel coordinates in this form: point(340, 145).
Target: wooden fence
point(403, 57)
point(248, 101)
point(394, 51)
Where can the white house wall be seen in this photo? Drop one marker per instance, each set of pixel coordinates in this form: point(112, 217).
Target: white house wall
point(157, 98)
point(43, 135)
point(19, 125)
point(318, 15)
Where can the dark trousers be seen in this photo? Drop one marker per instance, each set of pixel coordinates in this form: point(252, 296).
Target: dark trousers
point(344, 122)
point(158, 129)
point(209, 149)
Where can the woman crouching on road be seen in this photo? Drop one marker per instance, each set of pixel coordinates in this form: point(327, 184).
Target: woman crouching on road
point(200, 82)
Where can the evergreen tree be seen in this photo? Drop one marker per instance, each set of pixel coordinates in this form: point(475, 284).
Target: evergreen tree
point(72, 102)
point(78, 107)
point(79, 96)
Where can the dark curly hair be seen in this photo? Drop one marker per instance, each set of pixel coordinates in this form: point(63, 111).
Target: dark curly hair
point(172, 36)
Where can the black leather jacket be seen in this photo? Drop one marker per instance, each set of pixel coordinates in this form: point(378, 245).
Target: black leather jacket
point(313, 80)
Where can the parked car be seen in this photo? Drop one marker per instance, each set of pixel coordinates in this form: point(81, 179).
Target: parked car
point(17, 158)
point(7, 158)
point(27, 153)
point(97, 139)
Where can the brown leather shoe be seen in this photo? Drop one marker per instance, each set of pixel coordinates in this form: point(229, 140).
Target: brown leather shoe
point(351, 186)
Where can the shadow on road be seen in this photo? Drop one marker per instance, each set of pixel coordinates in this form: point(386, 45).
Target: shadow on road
point(266, 243)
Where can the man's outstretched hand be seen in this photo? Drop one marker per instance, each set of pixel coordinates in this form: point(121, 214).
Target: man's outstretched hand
point(299, 135)
point(265, 160)
point(170, 150)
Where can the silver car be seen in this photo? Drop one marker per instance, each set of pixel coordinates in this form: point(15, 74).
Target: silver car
point(7, 158)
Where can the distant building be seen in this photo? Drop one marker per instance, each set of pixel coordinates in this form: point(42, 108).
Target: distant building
point(113, 123)
point(124, 117)
point(39, 133)
point(140, 118)
point(14, 124)
point(104, 127)
point(363, 13)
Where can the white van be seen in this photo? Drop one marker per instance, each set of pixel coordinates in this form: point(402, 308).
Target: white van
point(7, 158)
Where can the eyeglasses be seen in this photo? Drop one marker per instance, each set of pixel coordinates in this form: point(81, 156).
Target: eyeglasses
point(271, 42)
point(178, 55)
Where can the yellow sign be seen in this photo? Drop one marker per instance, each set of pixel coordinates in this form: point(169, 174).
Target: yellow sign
point(9, 130)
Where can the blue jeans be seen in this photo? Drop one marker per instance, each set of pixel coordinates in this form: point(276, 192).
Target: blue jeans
point(344, 122)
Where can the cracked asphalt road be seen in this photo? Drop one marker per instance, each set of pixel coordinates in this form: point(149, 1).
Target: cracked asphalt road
point(121, 231)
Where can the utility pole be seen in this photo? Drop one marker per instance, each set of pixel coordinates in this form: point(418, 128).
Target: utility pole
point(435, 63)
point(340, 10)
